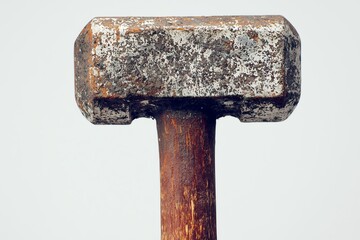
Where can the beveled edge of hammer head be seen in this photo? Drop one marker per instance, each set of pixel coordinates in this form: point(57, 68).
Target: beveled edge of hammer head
point(244, 66)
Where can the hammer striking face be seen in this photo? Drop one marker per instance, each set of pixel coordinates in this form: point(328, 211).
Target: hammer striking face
point(247, 67)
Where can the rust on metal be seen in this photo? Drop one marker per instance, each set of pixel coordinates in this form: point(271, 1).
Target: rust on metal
point(244, 66)
point(186, 72)
point(187, 172)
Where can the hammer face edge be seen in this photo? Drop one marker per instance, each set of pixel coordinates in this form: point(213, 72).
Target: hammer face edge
point(247, 67)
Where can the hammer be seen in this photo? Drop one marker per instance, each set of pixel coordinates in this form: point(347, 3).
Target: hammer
point(186, 72)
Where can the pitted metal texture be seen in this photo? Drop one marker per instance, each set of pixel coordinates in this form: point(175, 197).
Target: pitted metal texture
point(244, 66)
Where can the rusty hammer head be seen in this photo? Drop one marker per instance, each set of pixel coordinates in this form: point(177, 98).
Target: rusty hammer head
point(130, 67)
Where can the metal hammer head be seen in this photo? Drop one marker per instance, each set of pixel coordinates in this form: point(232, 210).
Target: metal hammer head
point(244, 66)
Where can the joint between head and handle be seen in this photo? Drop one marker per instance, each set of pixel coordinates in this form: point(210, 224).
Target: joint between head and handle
point(114, 111)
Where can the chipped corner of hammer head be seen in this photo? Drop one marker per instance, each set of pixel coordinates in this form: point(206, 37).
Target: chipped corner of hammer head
point(245, 66)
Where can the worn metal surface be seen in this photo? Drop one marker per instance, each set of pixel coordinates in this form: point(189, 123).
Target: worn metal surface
point(186, 72)
point(248, 67)
point(187, 170)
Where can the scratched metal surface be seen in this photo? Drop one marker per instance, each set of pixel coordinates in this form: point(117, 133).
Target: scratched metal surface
point(244, 66)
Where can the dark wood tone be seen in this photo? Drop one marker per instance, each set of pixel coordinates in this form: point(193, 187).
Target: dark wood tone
point(187, 166)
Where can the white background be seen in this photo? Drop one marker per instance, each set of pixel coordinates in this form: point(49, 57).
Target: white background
point(63, 178)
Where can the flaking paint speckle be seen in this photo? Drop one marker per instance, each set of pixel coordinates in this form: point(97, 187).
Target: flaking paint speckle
point(140, 64)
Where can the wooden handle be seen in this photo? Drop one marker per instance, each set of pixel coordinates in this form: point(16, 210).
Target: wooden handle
point(187, 167)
